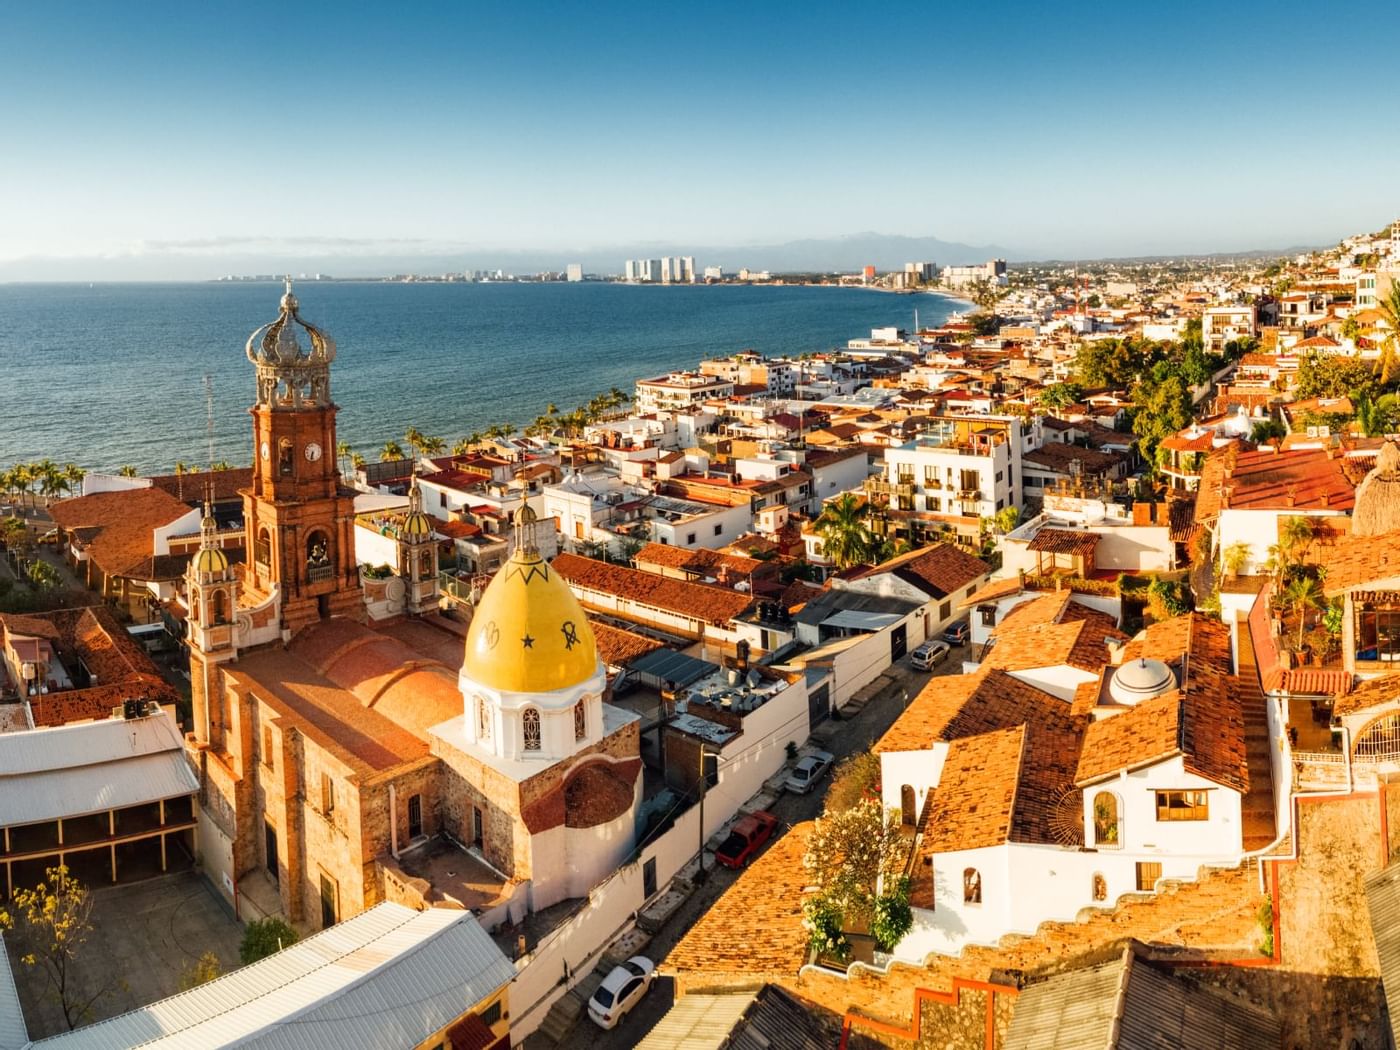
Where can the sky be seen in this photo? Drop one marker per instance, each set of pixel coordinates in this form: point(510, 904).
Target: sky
point(177, 140)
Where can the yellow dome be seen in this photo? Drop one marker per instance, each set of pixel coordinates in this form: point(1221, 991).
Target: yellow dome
point(210, 559)
point(416, 524)
point(529, 633)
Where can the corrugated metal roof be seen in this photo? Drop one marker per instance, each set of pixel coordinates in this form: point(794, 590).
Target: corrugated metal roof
point(87, 743)
point(1383, 903)
point(697, 1022)
point(389, 977)
point(34, 797)
point(13, 1034)
point(91, 767)
point(779, 1020)
point(1152, 1008)
point(861, 621)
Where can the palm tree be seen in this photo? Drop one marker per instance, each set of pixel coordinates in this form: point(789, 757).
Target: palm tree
point(391, 450)
point(551, 409)
point(1295, 536)
point(1377, 417)
point(51, 483)
point(1234, 558)
point(73, 475)
point(463, 446)
point(1303, 593)
point(342, 453)
point(356, 460)
point(21, 478)
point(431, 446)
point(127, 471)
point(1389, 308)
point(846, 536)
point(414, 437)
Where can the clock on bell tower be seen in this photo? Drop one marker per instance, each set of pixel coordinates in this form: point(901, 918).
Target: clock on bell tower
point(300, 520)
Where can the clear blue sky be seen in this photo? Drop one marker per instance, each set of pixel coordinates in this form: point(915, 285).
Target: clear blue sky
point(173, 134)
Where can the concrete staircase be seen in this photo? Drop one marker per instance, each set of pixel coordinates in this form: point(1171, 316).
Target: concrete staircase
point(568, 1009)
point(1257, 807)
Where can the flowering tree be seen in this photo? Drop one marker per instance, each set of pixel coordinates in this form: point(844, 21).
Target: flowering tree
point(851, 856)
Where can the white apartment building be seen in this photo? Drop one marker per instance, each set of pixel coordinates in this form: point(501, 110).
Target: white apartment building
point(962, 469)
point(574, 272)
point(680, 392)
point(606, 509)
point(1226, 324)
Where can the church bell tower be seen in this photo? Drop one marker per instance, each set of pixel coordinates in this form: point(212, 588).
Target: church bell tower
point(300, 520)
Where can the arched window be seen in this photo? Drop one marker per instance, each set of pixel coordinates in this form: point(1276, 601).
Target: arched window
point(1100, 887)
point(425, 564)
point(530, 721)
point(483, 719)
point(1379, 741)
point(220, 607)
point(972, 886)
point(906, 805)
point(262, 552)
point(194, 605)
point(580, 721)
point(285, 460)
point(1106, 819)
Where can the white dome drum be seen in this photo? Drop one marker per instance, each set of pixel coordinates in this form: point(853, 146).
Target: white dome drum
point(1139, 680)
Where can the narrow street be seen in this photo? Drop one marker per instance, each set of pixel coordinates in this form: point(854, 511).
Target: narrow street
point(855, 735)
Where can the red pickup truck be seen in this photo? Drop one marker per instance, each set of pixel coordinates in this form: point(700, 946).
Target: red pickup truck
point(746, 838)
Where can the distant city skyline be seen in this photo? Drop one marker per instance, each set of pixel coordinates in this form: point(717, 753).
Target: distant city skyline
point(189, 142)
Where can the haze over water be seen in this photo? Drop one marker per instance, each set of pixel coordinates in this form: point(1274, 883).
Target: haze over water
point(113, 374)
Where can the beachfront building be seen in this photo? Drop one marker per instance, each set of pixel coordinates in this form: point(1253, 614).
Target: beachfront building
point(680, 392)
point(994, 270)
point(944, 481)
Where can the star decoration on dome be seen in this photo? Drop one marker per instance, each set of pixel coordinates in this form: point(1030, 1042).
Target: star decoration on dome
point(528, 642)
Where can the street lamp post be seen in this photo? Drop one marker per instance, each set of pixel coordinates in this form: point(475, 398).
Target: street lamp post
point(700, 874)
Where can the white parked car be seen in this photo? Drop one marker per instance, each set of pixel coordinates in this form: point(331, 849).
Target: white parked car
point(621, 990)
point(928, 656)
point(809, 771)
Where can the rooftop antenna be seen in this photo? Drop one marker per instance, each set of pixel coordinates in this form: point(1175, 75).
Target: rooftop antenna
point(209, 415)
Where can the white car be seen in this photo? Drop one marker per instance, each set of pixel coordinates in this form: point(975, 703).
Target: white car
point(809, 771)
point(621, 990)
point(928, 656)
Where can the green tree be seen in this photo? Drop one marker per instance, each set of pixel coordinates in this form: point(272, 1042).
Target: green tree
point(1377, 417)
point(845, 533)
point(893, 917)
point(127, 471)
point(264, 937)
point(203, 970)
point(1164, 407)
point(1234, 558)
point(1060, 395)
point(1266, 430)
point(856, 778)
point(1108, 363)
point(1326, 375)
point(392, 450)
point(73, 476)
point(853, 853)
point(1303, 593)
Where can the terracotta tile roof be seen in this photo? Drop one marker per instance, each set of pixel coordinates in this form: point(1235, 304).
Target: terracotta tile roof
point(972, 805)
point(703, 561)
point(1355, 561)
point(1302, 479)
point(119, 527)
point(699, 601)
point(756, 926)
point(189, 487)
point(944, 567)
point(996, 589)
point(1053, 629)
point(1064, 541)
point(1371, 693)
point(618, 648)
point(599, 792)
point(1202, 442)
point(1203, 721)
point(1058, 456)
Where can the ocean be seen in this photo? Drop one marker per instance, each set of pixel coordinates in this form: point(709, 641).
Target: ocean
point(113, 374)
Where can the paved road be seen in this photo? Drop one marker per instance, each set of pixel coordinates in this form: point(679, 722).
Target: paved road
point(857, 735)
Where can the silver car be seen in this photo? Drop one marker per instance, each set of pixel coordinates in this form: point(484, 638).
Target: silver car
point(808, 771)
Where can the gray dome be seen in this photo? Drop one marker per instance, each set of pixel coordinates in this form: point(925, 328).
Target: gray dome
point(1139, 680)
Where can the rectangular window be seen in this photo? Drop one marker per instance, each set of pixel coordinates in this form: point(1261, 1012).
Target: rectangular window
point(1183, 805)
point(649, 879)
point(1148, 872)
point(945, 610)
point(267, 746)
point(327, 794)
point(719, 530)
point(989, 615)
point(999, 473)
point(415, 816)
point(689, 538)
point(491, 1016)
point(442, 499)
point(328, 902)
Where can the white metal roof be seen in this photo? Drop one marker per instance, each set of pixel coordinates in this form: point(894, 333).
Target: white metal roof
point(13, 1034)
point(860, 620)
point(91, 767)
point(698, 1022)
point(389, 977)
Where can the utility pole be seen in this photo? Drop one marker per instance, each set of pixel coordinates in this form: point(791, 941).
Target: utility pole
point(700, 874)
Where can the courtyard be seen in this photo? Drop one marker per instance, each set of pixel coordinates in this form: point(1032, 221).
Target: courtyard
point(145, 936)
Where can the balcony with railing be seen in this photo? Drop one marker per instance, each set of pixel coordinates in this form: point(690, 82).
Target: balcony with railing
point(319, 573)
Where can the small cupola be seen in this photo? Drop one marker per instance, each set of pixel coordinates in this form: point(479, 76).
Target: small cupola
point(1142, 679)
